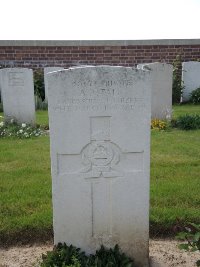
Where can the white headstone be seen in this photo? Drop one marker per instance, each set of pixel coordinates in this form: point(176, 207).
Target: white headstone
point(161, 98)
point(190, 78)
point(47, 70)
point(18, 94)
point(100, 155)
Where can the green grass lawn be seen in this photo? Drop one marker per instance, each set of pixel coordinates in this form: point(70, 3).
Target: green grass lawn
point(41, 117)
point(179, 110)
point(175, 178)
point(25, 182)
point(25, 186)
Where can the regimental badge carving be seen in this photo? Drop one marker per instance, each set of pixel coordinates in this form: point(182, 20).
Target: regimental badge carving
point(100, 158)
point(101, 155)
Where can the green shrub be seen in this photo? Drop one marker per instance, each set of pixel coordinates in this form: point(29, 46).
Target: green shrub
point(62, 256)
point(195, 96)
point(188, 122)
point(191, 234)
point(70, 256)
point(39, 84)
point(177, 85)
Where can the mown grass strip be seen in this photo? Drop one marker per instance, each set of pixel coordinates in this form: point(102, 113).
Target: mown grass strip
point(25, 184)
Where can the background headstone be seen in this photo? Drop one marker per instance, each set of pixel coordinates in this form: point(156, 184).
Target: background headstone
point(100, 155)
point(161, 97)
point(47, 70)
point(190, 78)
point(18, 94)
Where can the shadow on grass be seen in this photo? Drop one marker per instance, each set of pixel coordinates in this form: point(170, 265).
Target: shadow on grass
point(27, 236)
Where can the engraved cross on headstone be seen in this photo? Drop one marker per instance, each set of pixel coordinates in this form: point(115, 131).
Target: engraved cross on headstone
point(99, 158)
point(104, 163)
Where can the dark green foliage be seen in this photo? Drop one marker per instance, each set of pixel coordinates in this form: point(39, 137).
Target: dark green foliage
point(110, 258)
point(173, 123)
point(1, 107)
point(65, 256)
point(195, 96)
point(62, 255)
point(177, 86)
point(188, 122)
point(191, 234)
point(39, 83)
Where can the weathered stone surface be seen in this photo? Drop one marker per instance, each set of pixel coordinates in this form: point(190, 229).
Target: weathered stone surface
point(100, 155)
point(190, 78)
point(18, 94)
point(47, 70)
point(161, 97)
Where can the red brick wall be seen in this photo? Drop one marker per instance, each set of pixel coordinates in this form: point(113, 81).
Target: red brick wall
point(66, 56)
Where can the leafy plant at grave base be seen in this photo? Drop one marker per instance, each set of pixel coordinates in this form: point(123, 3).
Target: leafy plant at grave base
point(177, 85)
point(187, 122)
point(158, 124)
point(12, 129)
point(195, 96)
point(191, 234)
point(39, 84)
point(70, 256)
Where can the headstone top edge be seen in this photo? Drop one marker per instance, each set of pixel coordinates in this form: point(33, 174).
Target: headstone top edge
point(108, 67)
point(154, 63)
point(15, 69)
point(190, 62)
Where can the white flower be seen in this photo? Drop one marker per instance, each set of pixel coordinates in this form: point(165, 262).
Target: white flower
point(168, 116)
point(21, 131)
point(12, 120)
point(1, 124)
point(23, 125)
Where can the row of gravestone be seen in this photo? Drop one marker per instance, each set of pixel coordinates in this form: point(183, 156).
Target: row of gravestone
point(161, 106)
point(17, 92)
point(162, 89)
point(99, 119)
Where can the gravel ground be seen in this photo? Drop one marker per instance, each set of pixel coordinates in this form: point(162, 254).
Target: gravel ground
point(163, 253)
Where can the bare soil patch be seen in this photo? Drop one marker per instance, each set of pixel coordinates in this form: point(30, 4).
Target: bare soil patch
point(163, 253)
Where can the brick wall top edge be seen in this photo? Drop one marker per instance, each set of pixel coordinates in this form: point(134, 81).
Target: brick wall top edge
point(100, 42)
